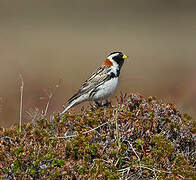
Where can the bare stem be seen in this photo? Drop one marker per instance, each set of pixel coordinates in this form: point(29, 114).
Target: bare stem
point(50, 96)
point(115, 115)
point(21, 100)
point(95, 128)
point(152, 169)
point(71, 136)
point(47, 105)
point(133, 150)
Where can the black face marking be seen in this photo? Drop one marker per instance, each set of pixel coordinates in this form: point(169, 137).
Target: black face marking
point(118, 72)
point(118, 59)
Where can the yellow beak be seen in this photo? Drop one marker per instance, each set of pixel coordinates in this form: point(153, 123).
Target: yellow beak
point(124, 57)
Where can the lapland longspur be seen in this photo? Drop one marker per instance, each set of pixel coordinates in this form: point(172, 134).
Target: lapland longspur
point(101, 84)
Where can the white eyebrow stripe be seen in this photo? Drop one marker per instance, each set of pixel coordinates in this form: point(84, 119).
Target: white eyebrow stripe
point(113, 55)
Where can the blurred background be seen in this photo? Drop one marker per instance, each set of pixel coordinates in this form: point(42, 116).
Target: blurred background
point(51, 41)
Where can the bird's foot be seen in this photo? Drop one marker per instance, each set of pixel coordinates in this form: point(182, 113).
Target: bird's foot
point(107, 104)
point(101, 104)
point(98, 104)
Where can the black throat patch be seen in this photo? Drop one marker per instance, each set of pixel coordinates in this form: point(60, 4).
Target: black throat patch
point(119, 60)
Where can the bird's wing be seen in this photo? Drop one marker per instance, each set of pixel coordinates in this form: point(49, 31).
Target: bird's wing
point(95, 79)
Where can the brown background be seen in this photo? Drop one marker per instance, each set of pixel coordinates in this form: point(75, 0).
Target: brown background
point(51, 40)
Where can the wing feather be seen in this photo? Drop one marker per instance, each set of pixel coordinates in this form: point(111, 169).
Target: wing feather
point(95, 79)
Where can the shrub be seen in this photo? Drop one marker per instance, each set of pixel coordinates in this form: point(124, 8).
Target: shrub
point(141, 137)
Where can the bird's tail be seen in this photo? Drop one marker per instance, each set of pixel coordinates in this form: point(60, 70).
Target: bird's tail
point(71, 104)
point(67, 108)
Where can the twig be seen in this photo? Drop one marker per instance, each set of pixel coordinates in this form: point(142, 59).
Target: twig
point(71, 136)
point(102, 160)
point(63, 137)
point(96, 131)
point(145, 167)
point(124, 169)
point(47, 105)
point(133, 150)
point(127, 169)
point(156, 170)
point(21, 100)
point(33, 115)
point(50, 96)
point(95, 128)
point(115, 115)
point(152, 169)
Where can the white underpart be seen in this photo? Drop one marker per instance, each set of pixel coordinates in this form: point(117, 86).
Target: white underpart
point(106, 90)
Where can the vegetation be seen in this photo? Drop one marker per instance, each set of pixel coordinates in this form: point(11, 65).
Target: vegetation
point(142, 137)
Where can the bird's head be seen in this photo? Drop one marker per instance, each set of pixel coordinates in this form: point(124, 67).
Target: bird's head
point(115, 59)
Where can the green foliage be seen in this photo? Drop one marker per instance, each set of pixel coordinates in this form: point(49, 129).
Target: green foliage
point(139, 138)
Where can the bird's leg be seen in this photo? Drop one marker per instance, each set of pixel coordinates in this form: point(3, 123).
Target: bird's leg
point(107, 103)
point(98, 104)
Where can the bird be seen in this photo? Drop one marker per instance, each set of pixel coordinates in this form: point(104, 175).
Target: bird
point(101, 84)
